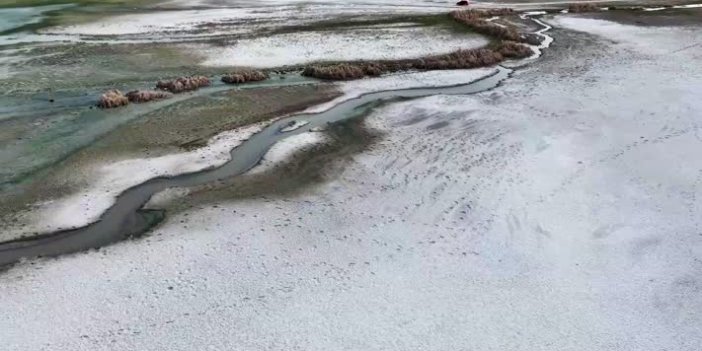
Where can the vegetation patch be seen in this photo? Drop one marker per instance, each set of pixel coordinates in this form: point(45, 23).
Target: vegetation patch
point(113, 98)
point(183, 84)
point(139, 96)
point(477, 20)
point(240, 77)
point(461, 59)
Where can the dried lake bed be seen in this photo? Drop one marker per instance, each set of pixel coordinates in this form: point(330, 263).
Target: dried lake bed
point(556, 210)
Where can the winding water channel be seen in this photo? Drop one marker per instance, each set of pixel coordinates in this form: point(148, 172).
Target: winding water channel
point(127, 218)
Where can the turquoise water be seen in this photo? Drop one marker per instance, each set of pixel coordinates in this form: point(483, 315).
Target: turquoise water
point(13, 18)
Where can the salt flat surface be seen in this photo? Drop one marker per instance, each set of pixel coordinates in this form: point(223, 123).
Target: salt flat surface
point(559, 210)
point(367, 43)
point(230, 20)
point(626, 35)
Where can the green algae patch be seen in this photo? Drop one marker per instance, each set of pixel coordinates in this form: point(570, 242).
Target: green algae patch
point(85, 66)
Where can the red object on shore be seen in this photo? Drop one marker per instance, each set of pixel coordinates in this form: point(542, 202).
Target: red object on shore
point(463, 3)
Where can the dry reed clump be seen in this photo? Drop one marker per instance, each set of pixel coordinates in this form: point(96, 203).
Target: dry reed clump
point(344, 71)
point(112, 98)
point(510, 49)
point(183, 84)
point(139, 96)
point(475, 19)
point(580, 8)
point(460, 59)
point(244, 77)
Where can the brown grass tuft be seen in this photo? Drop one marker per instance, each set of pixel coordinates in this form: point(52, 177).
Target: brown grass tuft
point(183, 84)
point(244, 77)
point(139, 96)
point(513, 50)
point(112, 98)
point(344, 71)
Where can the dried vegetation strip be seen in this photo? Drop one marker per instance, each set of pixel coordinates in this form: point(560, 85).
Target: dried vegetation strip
point(183, 84)
point(139, 96)
point(461, 59)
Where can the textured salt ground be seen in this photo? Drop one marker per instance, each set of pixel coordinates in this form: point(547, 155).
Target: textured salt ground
point(374, 43)
point(557, 211)
point(230, 20)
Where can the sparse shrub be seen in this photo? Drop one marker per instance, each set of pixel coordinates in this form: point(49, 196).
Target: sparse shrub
point(112, 98)
point(510, 49)
point(240, 77)
point(183, 84)
point(336, 72)
point(583, 7)
point(139, 96)
point(373, 69)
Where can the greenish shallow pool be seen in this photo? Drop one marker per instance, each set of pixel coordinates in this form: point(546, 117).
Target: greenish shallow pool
point(13, 18)
point(35, 133)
